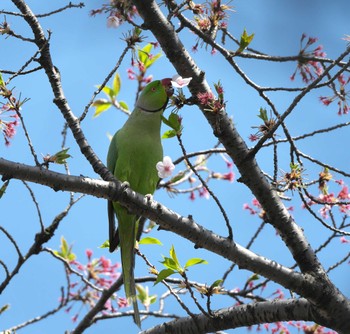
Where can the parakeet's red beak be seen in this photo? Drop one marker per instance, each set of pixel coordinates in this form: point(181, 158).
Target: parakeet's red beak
point(168, 86)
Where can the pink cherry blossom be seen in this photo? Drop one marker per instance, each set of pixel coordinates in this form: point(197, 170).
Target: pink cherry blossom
point(113, 22)
point(165, 168)
point(179, 82)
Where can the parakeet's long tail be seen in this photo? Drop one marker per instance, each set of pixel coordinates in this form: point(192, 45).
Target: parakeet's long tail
point(127, 235)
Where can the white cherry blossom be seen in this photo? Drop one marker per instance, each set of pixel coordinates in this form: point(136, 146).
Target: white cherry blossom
point(165, 168)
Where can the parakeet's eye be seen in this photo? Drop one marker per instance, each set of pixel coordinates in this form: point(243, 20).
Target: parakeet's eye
point(153, 89)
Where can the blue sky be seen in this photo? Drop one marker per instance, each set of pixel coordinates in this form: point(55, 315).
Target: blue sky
point(84, 50)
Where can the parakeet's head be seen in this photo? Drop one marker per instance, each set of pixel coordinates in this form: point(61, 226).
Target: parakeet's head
point(154, 97)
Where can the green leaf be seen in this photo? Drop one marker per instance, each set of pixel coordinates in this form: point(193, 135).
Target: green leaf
point(194, 261)
point(163, 275)
point(142, 292)
point(173, 121)
point(124, 105)
point(150, 241)
point(145, 57)
point(152, 299)
point(173, 256)
point(169, 134)
point(177, 177)
point(4, 187)
point(151, 60)
point(165, 121)
point(105, 244)
point(66, 251)
point(4, 308)
point(254, 277)
point(116, 84)
point(216, 283)
point(245, 41)
point(60, 157)
point(101, 105)
point(144, 297)
point(144, 52)
point(109, 92)
point(2, 83)
point(263, 114)
point(170, 264)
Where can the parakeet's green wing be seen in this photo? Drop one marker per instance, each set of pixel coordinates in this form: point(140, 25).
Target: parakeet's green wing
point(133, 154)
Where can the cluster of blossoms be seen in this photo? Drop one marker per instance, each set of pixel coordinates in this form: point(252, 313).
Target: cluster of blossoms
point(308, 68)
point(118, 11)
point(9, 118)
point(8, 122)
point(210, 15)
point(210, 102)
point(330, 200)
point(340, 95)
point(101, 273)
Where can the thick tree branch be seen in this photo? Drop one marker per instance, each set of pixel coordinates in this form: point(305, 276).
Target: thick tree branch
point(155, 211)
point(238, 316)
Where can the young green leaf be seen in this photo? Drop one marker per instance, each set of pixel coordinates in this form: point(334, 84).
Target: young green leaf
point(2, 83)
point(216, 283)
point(170, 264)
point(105, 244)
point(109, 92)
point(144, 52)
point(174, 257)
point(116, 84)
point(254, 277)
point(124, 105)
point(169, 134)
point(150, 241)
point(145, 56)
point(60, 157)
point(144, 297)
point(174, 121)
point(177, 177)
point(142, 292)
point(101, 105)
point(163, 275)
point(4, 187)
point(66, 251)
point(263, 114)
point(245, 41)
point(194, 261)
point(4, 308)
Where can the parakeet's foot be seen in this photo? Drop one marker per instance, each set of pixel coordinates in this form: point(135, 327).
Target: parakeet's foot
point(125, 185)
point(149, 197)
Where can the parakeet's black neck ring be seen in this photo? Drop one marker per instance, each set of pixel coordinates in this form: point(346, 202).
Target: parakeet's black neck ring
point(154, 110)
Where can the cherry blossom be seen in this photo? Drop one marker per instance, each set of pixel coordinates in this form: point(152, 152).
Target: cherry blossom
point(165, 168)
point(113, 22)
point(178, 81)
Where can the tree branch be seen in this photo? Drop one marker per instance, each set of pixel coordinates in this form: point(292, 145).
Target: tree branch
point(238, 316)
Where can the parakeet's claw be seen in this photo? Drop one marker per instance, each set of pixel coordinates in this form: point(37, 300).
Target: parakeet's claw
point(125, 185)
point(149, 197)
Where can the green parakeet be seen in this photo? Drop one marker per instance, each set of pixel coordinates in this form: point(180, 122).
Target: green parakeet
point(133, 154)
